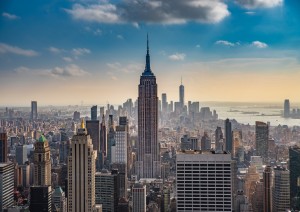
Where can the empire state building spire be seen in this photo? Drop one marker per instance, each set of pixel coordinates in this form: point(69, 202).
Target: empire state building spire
point(147, 70)
point(148, 148)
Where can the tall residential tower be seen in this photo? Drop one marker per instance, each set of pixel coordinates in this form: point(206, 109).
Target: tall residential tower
point(148, 158)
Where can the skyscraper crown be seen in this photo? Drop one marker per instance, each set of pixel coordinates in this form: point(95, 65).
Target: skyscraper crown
point(147, 71)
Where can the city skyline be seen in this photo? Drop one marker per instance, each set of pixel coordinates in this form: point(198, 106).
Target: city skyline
point(76, 49)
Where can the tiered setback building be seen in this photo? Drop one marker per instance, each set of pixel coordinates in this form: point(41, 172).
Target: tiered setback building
point(204, 181)
point(148, 157)
point(81, 172)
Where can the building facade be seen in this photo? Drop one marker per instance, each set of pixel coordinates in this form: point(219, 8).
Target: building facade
point(6, 185)
point(3, 148)
point(148, 154)
point(204, 181)
point(138, 198)
point(42, 162)
point(281, 190)
point(262, 139)
point(81, 172)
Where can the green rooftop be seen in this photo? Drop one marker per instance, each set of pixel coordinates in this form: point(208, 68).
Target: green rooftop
point(42, 139)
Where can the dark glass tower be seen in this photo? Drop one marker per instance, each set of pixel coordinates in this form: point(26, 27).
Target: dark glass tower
point(294, 155)
point(228, 135)
point(148, 158)
point(94, 113)
point(181, 95)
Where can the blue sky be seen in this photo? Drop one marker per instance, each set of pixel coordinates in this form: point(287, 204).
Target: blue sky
point(65, 52)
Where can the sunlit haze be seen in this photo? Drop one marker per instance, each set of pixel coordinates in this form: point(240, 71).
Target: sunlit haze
point(93, 52)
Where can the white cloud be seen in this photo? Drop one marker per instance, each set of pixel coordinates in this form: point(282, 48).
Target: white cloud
point(67, 59)
point(71, 70)
point(102, 13)
point(10, 16)
point(177, 56)
point(5, 48)
point(250, 13)
point(152, 11)
point(198, 46)
point(80, 51)
point(259, 44)
point(55, 50)
point(225, 43)
point(253, 4)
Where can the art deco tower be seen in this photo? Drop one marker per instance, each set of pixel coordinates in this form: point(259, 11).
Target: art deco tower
point(148, 158)
point(42, 162)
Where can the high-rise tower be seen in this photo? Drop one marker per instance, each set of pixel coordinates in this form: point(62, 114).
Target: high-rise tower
point(42, 162)
point(81, 172)
point(181, 94)
point(148, 158)
point(34, 110)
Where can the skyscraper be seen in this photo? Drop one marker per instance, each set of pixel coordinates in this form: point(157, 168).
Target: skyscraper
point(21, 154)
point(286, 111)
point(106, 190)
point(294, 167)
point(164, 103)
point(262, 139)
point(81, 172)
point(204, 181)
point(111, 142)
point(34, 114)
point(103, 144)
point(281, 190)
point(3, 148)
point(40, 198)
point(267, 177)
point(219, 139)
point(42, 162)
point(181, 94)
point(94, 113)
point(138, 198)
point(59, 199)
point(6, 185)
point(148, 157)
point(228, 136)
point(121, 145)
point(93, 129)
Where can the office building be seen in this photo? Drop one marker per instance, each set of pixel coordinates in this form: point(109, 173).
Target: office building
point(103, 144)
point(219, 139)
point(111, 142)
point(262, 139)
point(164, 103)
point(228, 136)
point(34, 114)
point(40, 198)
point(93, 129)
point(42, 162)
point(94, 113)
point(81, 172)
point(123, 121)
point(59, 199)
point(250, 179)
point(181, 95)
point(204, 181)
point(257, 197)
point(205, 142)
point(122, 178)
point(123, 205)
point(148, 153)
point(287, 110)
point(236, 142)
point(6, 185)
point(267, 180)
point(294, 167)
point(3, 148)
point(21, 154)
point(281, 190)
point(120, 145)
point(138, 198)
point(106, 190)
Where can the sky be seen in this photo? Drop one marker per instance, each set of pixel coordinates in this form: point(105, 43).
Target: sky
point(93, 51)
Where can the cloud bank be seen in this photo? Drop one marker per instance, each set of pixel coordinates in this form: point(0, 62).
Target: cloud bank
point(5, 48)
point(152, 11)
point(253, 4)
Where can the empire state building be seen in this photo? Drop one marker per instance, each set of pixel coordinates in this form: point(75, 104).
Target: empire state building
point(148, 158)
